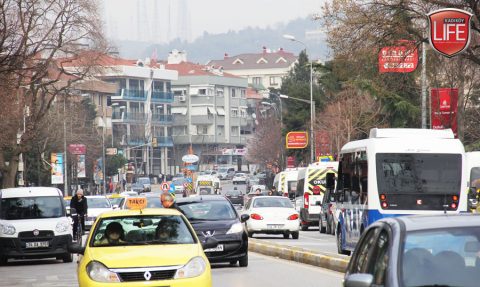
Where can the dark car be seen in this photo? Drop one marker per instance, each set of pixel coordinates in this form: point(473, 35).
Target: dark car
point(214, 216)
point(440, 250)
point(327, 221)
point(235, 196)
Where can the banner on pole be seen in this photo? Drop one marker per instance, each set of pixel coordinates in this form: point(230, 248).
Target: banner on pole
point(81, 172)
point(444, 109)
point(56, 163)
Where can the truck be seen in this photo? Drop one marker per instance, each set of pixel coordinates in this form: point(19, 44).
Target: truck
point(207, 184)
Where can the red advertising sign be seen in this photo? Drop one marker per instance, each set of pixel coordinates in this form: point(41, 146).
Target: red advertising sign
point(77, 149)
point(444, 109)
point(296, 140)
point(322, 143)
point(398, 59)
point(290, 162)
point(449, 31)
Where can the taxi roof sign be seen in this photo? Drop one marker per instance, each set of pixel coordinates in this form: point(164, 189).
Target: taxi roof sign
point(136, 203)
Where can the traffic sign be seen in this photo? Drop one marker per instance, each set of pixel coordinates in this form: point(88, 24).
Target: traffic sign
point(165, 186)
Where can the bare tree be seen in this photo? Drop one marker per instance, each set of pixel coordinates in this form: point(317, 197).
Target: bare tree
point(38, 41)
point(349, 117)
point(268, 144)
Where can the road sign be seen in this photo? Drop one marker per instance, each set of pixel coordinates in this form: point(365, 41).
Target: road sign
point(398, 59)
point(296, 140)
point(165, 186)
point(190, 158)
point(111, 151)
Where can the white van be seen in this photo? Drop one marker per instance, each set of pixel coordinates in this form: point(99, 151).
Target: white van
point(473, 176)
point(286, 181)
point(33, 224)
point(312, 183)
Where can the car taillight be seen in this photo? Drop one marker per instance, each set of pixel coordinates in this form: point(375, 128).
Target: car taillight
point(306, 200)
point(256, 216)
point(293, 217)
point(330, 208)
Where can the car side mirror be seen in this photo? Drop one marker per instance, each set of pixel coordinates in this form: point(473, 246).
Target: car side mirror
point(358, 280)
point(244, 217)
point(115, 206)
point(209, 242)
point(75, 248)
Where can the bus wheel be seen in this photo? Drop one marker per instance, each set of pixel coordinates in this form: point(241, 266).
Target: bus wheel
point(339, 243)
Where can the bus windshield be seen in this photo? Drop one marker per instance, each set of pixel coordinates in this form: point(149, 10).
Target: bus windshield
point(419, 173)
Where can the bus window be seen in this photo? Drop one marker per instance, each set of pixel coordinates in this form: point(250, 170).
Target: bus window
point(330, 181)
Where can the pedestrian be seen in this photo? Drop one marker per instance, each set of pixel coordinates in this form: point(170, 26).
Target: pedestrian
point(124, 183)
point(79, 202)
point(274, 191)
point(110, 187)
point(168, 201)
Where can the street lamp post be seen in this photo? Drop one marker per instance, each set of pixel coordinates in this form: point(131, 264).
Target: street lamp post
point(312, 103)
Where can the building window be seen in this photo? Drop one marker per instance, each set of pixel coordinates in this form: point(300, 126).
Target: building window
point(220, 91)
point(242, 93)
point(257, 80)
point(202, 92)
point(220, 130)
point(273, 81)
point(158, 86)
point(243, 113)
point(234, 95)
point(235, 131)
point(234, 113)
point(202, 130)
point(169, 87)
point(180, 131)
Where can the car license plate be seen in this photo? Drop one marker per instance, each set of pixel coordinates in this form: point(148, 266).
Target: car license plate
point(274, 226)
point(38, 244)
point(219, 248)
point(89, 223)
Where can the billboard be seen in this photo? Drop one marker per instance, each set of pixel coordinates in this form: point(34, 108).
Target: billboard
point(81, 171)
point(322, 143)
point(296, 140)
point(56, 163)
point(449, 31)
point(398, 59)
point(444, 109)
point(77, 148)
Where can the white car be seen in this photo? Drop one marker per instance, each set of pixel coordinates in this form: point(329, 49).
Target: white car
point(97, 204)
point(240, 178)
point(272, 215)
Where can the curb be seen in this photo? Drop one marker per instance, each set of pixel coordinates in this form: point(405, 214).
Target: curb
point(298, 255)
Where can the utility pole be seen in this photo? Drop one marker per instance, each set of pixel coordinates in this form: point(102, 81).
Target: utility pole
point(424, 85)
point(65, 161)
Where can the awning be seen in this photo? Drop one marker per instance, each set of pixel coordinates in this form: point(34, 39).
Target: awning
point(179, 110)
point(221, 111)
point(199, 111)
point(211, 110)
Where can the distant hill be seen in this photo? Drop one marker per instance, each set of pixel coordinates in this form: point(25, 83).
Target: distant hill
point(214, 46)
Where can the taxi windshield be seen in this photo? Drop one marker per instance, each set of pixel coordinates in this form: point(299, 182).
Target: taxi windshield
point(141, 230)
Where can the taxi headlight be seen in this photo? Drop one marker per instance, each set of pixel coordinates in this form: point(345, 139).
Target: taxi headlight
point(99, 273)
point(62, 226)
point(7, 229)
point(195, 267)
point(236, 228)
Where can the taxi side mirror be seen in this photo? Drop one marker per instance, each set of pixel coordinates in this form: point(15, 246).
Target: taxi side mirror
point(244, 217)
point(75, 248)
point(115, 206)
point(209, 242)
point(358, 280)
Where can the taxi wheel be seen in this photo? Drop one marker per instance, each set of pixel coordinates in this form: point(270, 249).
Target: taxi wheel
point(67, 258)
point(243, 262)
point(295, 234)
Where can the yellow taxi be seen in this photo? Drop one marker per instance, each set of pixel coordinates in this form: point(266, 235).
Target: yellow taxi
point(143, 247)
point(116, 199)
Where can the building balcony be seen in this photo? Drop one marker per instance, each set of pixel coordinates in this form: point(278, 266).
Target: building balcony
point(140, 141)
point(203, 120)
point(162, 97)
point(128, 117)
point(238, 140)
point(196, 139)
point(129, 94)
point(162, 119)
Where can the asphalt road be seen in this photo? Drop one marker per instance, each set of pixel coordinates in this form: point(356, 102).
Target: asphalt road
point(262, 271)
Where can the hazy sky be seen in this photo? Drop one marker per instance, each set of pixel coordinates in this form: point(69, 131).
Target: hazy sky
point(124, 21)
point(217, 16)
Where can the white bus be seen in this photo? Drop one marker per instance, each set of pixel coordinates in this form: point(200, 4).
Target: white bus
point(398, 172)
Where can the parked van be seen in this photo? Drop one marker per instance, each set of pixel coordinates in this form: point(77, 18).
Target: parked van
point(311, 186)
point(33, 224)
point(473, 176)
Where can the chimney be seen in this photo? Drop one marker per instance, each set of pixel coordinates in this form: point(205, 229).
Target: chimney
point(264, 49)
point(225, 56)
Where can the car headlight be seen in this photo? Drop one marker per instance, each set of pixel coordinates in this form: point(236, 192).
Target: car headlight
point(7, 229)
point(195, 267)
point(236, 228)
point(62, 226)
point(99, 273)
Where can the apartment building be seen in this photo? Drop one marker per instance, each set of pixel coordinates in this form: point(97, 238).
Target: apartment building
point(209, 112)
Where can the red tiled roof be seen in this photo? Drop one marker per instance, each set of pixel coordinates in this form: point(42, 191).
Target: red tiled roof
point(253, 94)
point(191, 69)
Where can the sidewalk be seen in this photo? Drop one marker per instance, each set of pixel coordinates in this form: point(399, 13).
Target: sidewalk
point(325, 260)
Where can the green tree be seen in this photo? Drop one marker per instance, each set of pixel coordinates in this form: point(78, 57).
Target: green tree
point(114, 163)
